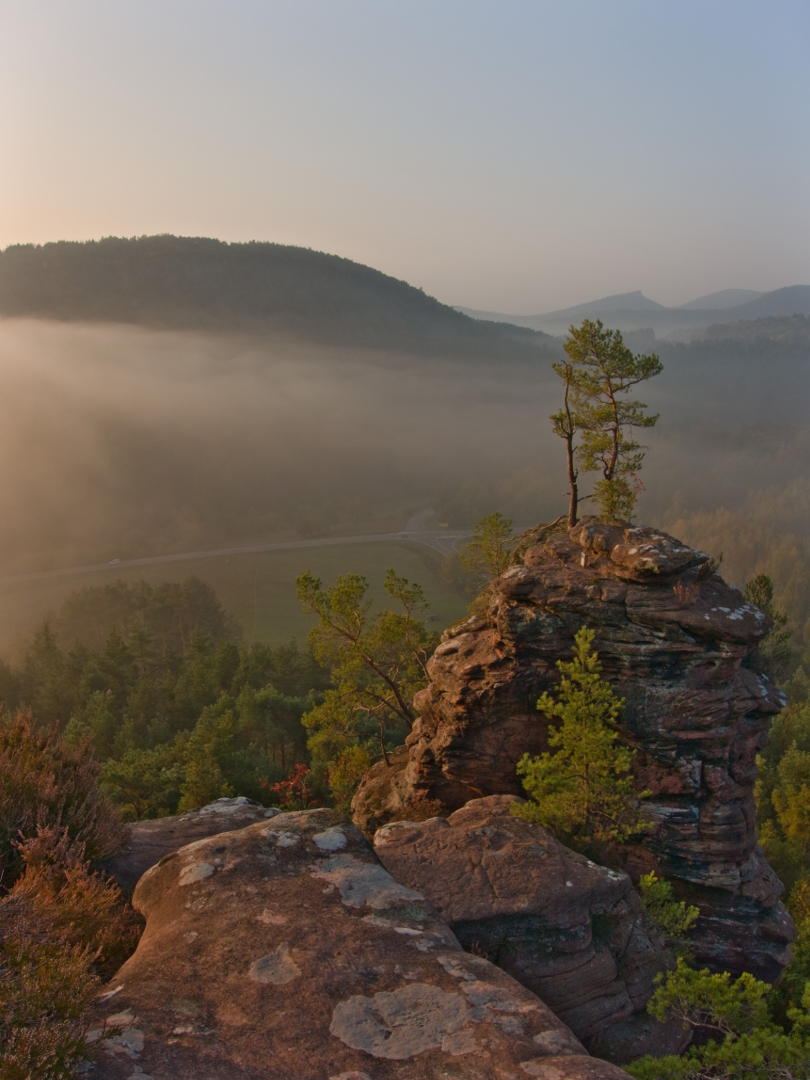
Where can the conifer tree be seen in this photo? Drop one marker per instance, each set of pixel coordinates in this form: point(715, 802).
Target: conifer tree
point(583, 792)
point(489, 552)
point(774, 650)
point(601, 372)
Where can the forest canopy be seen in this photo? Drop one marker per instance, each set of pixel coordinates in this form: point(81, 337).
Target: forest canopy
point(177, 282)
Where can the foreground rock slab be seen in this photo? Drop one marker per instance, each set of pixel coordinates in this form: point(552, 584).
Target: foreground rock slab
point(151, 840)
point(677, 643)
point(286, 951)
point(567, 929)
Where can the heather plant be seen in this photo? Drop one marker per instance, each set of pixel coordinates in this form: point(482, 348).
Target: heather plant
point(62, 929)
point(46, 784)
point(62, 924)
point(58, 896)
point(46, 987)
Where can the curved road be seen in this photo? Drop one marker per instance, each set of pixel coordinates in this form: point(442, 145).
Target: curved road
point(443, 541)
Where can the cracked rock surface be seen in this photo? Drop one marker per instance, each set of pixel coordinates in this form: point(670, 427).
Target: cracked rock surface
point(286, 951)
point(676, 642)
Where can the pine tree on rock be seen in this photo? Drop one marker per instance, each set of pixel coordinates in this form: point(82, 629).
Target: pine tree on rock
point(602, 370)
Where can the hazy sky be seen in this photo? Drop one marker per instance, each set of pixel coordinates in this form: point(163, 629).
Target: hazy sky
point(514, 156)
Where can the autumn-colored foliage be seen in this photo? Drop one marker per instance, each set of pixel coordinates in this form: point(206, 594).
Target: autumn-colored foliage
point(294, 793)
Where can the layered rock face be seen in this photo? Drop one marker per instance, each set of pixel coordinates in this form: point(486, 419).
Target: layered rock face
point(285, 950)
point(567, 929)
point(672, 637)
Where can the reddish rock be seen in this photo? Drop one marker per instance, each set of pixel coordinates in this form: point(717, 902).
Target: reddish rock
point(676, 642)
point(285, 951)
point(151, 840)
point(564, 927)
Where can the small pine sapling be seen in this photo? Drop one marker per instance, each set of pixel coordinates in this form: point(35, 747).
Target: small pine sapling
point(584, 791)
point(489, 552)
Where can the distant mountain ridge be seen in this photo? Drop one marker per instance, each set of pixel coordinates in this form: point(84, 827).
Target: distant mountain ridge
point(196, 283)
point(634, 311)
point(633, 301)
point(719, 301)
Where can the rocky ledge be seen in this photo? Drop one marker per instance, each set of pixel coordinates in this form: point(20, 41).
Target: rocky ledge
point(285, 951)
point(676, 641)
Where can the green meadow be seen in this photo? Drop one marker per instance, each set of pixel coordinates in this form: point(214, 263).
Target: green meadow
point(258, 590)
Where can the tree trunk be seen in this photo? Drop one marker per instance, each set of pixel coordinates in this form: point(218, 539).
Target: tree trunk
point(382, 746)
point(569, 445)
point(572, 484)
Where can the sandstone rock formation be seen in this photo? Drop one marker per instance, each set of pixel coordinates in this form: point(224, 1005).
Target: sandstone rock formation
point(567, 929)
point(151, 840)
point(674, 640)
point(285, 951)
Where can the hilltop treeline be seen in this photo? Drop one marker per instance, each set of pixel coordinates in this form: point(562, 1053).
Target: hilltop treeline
point(183, 283)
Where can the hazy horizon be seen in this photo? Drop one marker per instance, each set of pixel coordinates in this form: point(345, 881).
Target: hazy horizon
point(452, 147)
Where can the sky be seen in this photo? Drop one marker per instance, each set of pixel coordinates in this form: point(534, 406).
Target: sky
point(509, 156)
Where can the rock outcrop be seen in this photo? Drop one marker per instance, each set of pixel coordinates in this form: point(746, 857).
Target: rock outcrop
point(285, 951)
point(674, 640)
point(151, 840)
point(564, 927)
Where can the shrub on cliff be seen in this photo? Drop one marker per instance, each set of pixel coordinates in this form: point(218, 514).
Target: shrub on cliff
point(733, 1015)
point(584, 791)
point(673, 919)
point(774, 653)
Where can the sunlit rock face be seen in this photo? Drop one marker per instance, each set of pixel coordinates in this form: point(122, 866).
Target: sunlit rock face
point(674, 640)
point(286, 951)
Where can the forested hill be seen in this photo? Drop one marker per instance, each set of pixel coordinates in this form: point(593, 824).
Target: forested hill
point(176, 282)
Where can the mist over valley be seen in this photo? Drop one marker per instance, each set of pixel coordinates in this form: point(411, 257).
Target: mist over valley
point(126, 441)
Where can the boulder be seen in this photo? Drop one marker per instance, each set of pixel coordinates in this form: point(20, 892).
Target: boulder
point(677, 644)
point(285, 951)
point(151, 840)
point(567, 929)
